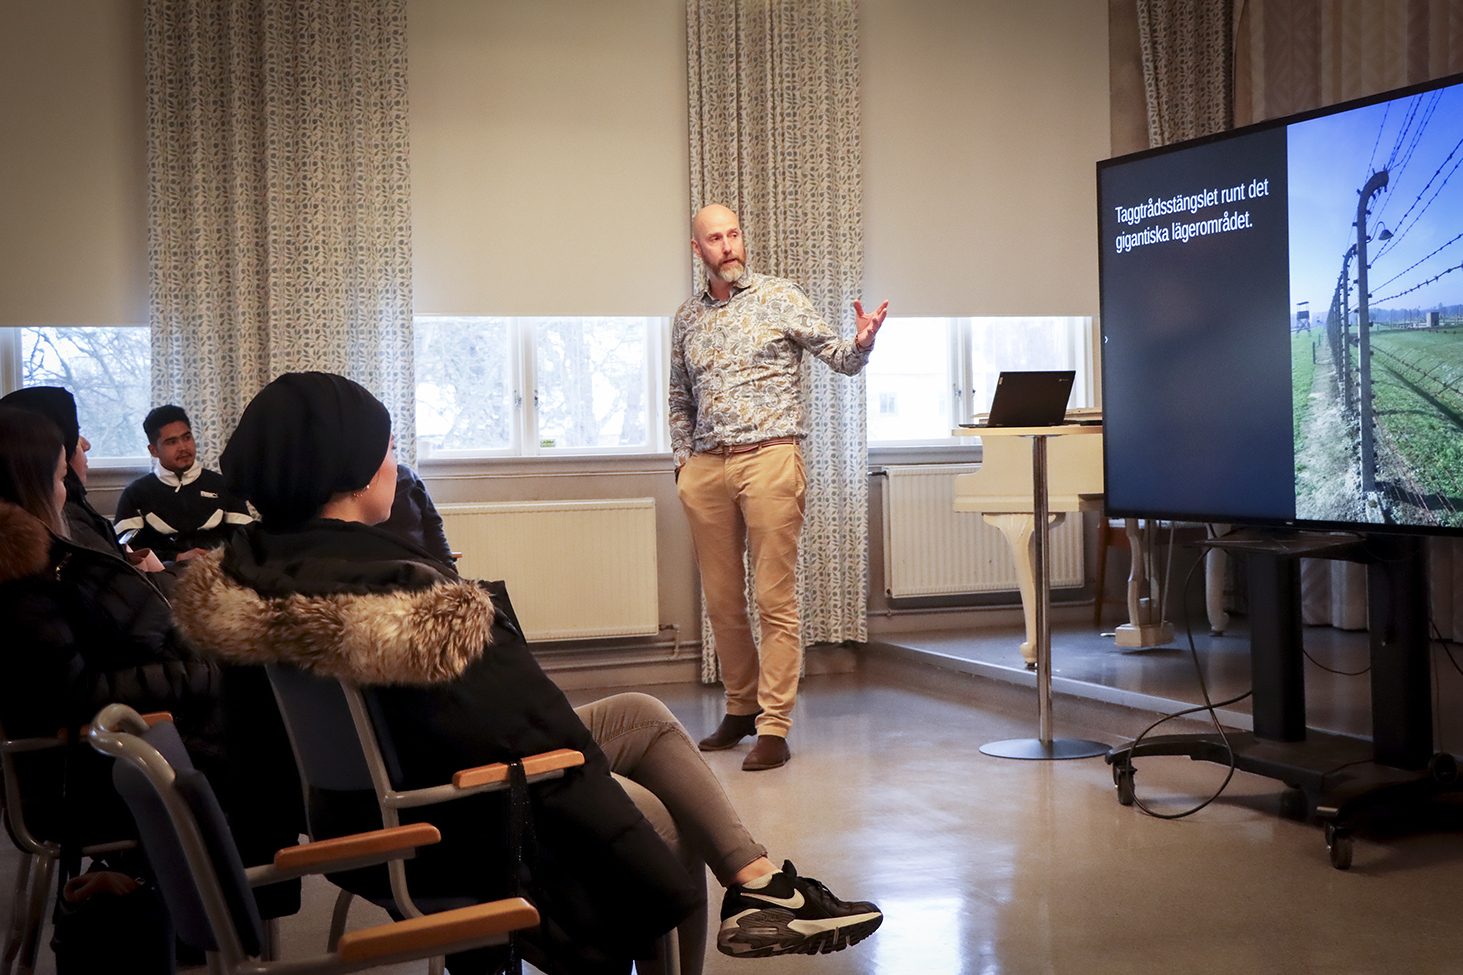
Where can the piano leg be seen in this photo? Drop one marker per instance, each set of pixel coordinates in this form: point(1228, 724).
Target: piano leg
point(1020, 529)
point(1216, 562)
point(1146, 626)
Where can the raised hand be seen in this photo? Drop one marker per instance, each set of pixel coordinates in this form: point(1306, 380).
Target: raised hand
point(868, 325)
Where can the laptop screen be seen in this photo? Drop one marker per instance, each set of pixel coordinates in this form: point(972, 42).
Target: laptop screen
point(1031, 399)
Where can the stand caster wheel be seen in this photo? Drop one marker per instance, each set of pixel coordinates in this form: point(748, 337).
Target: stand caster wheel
point(1293, 804)
point(1338, 844)
point(1444, 769)
point(1123, 779)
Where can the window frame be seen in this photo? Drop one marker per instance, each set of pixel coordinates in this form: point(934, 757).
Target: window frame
point(523, 439)
point(960, 380)
point(12, 377)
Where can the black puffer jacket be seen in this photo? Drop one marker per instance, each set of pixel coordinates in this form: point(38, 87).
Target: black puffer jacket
point(87, 526)
point(83, 629)
point(457, 688)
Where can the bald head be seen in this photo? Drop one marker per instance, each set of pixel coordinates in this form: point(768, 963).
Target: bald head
point(716, 237)
point(707, 216)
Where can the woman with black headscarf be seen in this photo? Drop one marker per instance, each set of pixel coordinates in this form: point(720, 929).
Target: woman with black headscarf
point(315, 584)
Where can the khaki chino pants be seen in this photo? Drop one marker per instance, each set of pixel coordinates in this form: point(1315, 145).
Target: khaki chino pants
point(739, 501)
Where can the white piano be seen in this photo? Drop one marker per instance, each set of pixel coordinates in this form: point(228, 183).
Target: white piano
point(1003, 493)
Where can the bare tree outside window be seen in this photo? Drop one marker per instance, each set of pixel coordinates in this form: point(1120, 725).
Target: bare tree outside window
point(590, 386)
point(591, 382)
point(108, 369)
point(465, 387)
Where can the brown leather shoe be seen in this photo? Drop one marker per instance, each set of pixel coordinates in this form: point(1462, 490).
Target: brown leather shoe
point(733, 728)
point(770, 752)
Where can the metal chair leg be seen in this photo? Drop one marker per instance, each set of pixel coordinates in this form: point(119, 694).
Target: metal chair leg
point(43, 874)
point(668, 952)
point(436, 965)
point(667, 960)
point(15, 934)
point(270, 947)
point(338, 918)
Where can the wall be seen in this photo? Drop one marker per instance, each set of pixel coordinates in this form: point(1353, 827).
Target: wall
point(549, 157)
point(983, 123)
point(550, 177)
point(73, 176)
point(939, 76)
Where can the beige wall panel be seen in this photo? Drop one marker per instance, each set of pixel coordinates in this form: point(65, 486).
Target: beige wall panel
point(549, 157)
point(73, 178)
point(982, 124)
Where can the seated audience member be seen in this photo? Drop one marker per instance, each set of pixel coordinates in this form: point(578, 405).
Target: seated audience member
point(85, 525)
point(415, 518)
point(181, 509)
point(316, 584)
point(83, 628)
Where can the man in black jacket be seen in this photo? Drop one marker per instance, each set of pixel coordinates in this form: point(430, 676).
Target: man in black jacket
point(181, 509)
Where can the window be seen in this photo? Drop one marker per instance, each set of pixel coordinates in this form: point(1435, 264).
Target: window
point(539, 386)
point(108, 370)
point(929, 374)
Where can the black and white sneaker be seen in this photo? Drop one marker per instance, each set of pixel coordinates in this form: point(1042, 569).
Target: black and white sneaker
point(791, 915)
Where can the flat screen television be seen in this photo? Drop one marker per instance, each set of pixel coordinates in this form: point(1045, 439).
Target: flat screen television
point(1282, 320)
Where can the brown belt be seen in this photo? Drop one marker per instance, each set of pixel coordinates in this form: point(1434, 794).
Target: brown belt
point(747, 448)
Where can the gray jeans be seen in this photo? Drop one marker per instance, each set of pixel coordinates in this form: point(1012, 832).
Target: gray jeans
point(656, 762)
point(647, 745)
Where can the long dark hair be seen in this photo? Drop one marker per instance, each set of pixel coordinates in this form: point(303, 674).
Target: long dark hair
point(30, 446)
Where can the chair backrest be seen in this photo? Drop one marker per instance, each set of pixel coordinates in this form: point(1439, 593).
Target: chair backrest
point(184, 833)
point(322, 732)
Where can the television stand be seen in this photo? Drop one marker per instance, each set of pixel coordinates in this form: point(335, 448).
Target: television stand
point(1337, 776)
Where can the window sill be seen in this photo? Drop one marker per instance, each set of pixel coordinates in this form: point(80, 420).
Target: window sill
point(446, 468)
point(961, 453)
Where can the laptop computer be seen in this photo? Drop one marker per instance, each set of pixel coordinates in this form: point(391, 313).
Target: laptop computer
point(1029, 399)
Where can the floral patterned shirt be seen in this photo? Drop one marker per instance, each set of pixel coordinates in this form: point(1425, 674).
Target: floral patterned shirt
point(734, 364)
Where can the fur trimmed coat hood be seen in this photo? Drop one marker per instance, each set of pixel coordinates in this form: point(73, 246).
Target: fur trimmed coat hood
point(419, 636)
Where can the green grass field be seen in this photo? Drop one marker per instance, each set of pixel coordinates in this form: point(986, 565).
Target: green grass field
point(1419, 402)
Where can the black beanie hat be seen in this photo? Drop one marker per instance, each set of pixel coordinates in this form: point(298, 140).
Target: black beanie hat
point(305, 438)
point(55, 404)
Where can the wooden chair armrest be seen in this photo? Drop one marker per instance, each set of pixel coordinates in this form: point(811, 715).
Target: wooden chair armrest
point(379, 842)
point(422, 935)
point(151, 717)
point(553, 761)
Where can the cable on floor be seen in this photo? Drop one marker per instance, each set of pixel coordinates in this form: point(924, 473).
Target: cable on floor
point(1210, 706)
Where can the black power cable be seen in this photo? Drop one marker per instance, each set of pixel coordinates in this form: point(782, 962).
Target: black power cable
point(1208, 705)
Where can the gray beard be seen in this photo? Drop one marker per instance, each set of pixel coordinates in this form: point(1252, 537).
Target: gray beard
point(731, 274)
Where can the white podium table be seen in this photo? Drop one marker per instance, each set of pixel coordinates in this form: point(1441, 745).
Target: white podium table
point(1044, 747)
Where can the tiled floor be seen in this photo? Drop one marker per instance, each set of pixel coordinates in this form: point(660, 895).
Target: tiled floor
point(992, 866)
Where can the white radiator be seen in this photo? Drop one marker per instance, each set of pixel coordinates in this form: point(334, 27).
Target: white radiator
point(932, 550)
point(574, 569)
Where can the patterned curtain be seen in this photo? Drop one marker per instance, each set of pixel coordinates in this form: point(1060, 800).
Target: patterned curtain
point(1295, 55)
point(775, 136)
point(279, 219)
point(1187, 59)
